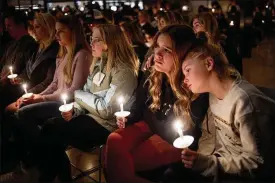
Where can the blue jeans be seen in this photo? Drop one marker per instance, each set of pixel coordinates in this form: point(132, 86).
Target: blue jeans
point(27, 124)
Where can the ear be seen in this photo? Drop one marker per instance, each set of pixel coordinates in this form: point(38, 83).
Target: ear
point(105, 47)
point(209, 63)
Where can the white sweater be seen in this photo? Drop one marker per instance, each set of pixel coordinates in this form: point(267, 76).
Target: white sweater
point(243, 133)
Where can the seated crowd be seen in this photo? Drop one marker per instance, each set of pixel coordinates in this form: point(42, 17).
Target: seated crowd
point(178, 73)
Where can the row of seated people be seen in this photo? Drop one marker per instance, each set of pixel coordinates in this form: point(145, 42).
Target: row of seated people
point(189, 79)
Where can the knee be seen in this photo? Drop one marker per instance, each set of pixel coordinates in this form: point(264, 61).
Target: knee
point(10, 109)
point(114, 141)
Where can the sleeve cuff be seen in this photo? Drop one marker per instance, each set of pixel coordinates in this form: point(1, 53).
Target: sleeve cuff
point(206, 165)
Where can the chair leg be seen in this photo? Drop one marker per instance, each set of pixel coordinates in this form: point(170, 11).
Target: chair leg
point(100, 165)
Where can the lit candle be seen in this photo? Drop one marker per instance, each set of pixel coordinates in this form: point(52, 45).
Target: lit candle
point(231, 23)
point(213, 10)
point(120, 101)
point(179, 127)
point(64, 97)
point(11, 70)
point(25, 88)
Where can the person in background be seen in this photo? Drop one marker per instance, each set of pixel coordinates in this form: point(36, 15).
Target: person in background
point(113, 74)
point(144, 20)
point(165, 18)
point(72, 69)
point(206, 27)
point(136, 39)
point(19, 50)
point(243, 117)
point(149, 132)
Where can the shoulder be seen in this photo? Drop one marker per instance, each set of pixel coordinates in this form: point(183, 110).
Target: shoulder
point(83, 52)
point(249, 99)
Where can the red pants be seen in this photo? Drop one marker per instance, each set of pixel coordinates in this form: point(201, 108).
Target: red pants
point(136, 148)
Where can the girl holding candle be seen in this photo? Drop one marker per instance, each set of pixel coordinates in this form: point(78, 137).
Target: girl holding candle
point(71, 73)
point(147, 144)
point(243, 117)
point(113, 74)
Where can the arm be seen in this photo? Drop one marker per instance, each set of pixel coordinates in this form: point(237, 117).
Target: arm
point(48, 79)
point(123, 83)
point(53, 86)
point(82, 66)
point(255, 135)
point(139, 105)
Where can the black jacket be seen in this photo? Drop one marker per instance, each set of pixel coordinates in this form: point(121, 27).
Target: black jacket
point(40, 68)
point(161, 122)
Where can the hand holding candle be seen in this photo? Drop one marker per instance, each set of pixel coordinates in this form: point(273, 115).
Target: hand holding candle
point(65, 107)
point(121, 115)
point(183, 141)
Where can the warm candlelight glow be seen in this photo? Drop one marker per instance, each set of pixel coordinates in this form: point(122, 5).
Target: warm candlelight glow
point(64, 98)
point(25, 88)
point(231, 23)
point(11, 70)
point(213, 10)
point(179, 128)
point(120, 101)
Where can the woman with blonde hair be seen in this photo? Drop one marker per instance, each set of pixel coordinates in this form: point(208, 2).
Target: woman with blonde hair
point(73, 62)
point(40, 68)
point(146, 144)
point(206, 27)
point(113, 74)
point(242, 115)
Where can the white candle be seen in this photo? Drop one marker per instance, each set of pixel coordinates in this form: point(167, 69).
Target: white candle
point(120, 101)
point(11, 70)
point(179, 128)
point(64, 97)
point(25, 88)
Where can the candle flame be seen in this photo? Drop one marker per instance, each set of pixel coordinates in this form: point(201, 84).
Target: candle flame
point(120, 100)
point(10, 67)
point(178, 125)
point(24, 86)
point(64, 96)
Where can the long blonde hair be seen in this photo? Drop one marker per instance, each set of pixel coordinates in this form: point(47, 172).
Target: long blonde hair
point(119, 51)
point(211, 26)
point(78, 42)
point(182, 37)
point(201, 51)
point(47, 22)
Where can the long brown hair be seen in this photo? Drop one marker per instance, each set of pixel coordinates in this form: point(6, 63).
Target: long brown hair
point(133, 32)
point(120, 51)
point(182, 37)
point(211, 26)
point(78, 42)
point(201, 51)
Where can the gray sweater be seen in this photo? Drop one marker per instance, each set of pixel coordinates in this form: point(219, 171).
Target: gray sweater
point(243, 135)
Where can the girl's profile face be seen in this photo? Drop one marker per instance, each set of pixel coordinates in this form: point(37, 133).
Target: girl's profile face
point(163, 56)
point(97, 43)
point(39, 32)
point(197, 26)
point(196, 75)
point(63, 34)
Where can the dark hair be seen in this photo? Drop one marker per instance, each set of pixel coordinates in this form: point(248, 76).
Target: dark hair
point(133, 32)
point(19, 18)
